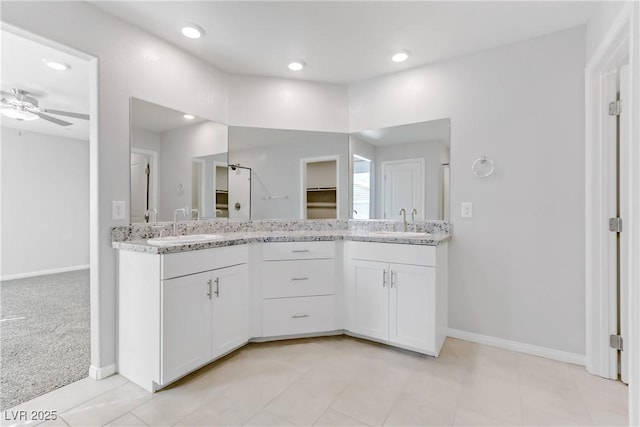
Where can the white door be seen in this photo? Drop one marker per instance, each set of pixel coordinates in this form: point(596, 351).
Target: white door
point(140, 164)
point(239, 193)
point(229, 326)
point(403, 188)
point(186, 325)
point(371, 298)
point(411, 305)
point(625, 209)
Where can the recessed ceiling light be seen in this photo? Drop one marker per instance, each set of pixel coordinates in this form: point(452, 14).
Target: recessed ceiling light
point(296, 65)
point(401, 56)
point(59, 66)
point(192, 31)
point(189, 117)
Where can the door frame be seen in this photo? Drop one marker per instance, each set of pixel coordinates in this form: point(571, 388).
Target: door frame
point(386, 163)
point(622, 40)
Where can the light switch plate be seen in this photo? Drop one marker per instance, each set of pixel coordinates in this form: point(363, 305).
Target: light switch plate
point(117, 210)
point(467, 210)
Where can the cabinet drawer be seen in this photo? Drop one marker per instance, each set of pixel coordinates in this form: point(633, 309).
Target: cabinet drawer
point(183, 263)
point(393, 253)
point(298, 278)
point(290, 316)
point(298, 250)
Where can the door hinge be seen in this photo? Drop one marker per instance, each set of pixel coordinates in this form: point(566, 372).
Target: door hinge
point(615, 108)
point(615, 225)
point(615, 341)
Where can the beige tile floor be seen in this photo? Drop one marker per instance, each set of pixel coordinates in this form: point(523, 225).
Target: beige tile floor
point(341, 381)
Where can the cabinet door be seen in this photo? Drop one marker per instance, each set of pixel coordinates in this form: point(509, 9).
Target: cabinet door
point(370, 298)
point(412, 306)
point(229, 326)
point(186, 325)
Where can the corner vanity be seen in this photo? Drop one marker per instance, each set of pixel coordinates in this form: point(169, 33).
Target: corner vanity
point(183, 306)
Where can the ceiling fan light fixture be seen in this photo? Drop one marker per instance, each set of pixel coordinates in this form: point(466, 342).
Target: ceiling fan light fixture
point(189, 117)
point(58, 66)
point(401, 55)
point(296, 65)
point(192, 31)
point(18, 114)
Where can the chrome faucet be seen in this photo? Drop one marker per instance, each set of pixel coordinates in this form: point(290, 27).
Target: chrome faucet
point(197, 214)
point(183, 211)
point(218, 211)
point(148, 213)
point(414, 212)
point(404, 219)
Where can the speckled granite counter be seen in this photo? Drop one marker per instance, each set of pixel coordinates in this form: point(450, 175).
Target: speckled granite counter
point(134, 238)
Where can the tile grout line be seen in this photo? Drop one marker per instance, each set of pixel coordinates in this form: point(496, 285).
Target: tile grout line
point(404, 384)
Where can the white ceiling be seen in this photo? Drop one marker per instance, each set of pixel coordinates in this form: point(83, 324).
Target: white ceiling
point(434, 130)
point(156, 118)
point(241, 138)
point(68, 90)
point(345, 42)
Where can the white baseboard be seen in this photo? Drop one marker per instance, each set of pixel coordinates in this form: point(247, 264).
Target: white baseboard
point(101, 373)
point(549, 353)
point(43, 272)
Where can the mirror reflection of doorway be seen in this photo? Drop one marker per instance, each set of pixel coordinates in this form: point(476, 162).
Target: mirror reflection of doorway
point(403, 188)
point(362, 179)
point(143, 176)
point(320, 191)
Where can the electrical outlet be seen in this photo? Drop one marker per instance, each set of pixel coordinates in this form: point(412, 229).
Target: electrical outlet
point(117, 210)
point(467, 210)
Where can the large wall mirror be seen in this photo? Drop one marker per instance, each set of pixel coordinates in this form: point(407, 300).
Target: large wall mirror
point(291, 174)
point(401, 167)
point(177, 161)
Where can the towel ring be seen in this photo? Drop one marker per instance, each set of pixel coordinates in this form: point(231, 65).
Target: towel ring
point(482, 167)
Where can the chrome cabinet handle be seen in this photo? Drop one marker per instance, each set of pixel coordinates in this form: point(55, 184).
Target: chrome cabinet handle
point(299, 316)
point(384, 278)
point(209, 293)
point(299, 278)
point(217, 287)
point(392, 278)
point(300, 250)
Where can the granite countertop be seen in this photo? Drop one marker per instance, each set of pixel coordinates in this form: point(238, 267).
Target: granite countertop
point(240, 238)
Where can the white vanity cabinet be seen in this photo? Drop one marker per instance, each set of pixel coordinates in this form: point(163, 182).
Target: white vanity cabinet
point(397, 294)
point(178, 312)
point(298, 288)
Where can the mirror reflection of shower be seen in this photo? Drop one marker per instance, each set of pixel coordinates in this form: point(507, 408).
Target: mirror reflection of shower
point(239, 195)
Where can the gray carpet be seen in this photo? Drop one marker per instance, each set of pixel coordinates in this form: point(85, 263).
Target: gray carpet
point(44, 335)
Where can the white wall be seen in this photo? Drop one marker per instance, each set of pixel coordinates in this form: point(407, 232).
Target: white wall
point(517, 267)
point(287, 104)
point(131, 63)
point(179, 148)
point(45, 203)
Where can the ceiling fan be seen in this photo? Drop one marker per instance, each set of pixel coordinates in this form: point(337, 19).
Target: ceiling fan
point(21, 106)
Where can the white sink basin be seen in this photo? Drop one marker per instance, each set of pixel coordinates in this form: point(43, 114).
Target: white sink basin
point(183, 240)
point(399, 234)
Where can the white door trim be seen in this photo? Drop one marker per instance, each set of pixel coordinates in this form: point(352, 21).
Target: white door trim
point(621, 41)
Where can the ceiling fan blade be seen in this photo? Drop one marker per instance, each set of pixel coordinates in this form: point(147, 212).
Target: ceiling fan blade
point(67, 113)
point(51, 119)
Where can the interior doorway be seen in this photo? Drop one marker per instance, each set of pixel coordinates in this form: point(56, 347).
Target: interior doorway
point(612, 210)
point(47, 148)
